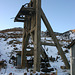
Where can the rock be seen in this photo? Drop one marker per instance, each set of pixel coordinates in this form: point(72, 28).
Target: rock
point(14, 45)
point(57, 58)
point(41, 74)
point(52, 74)
point(58, 53)
point(5, 38)
point(10, 62)
point(44, 60)
point(10, 74)
point(31, 74)
point(0, 66)
point(16, 48)
point(52, 59)
point(47, 70)
point(63, 67)
point(36, 73)
point(1, 62)
point(17, 42)
point(25, 73)
point(66, 51)
point(13, 58)
point(10, 42)
point(42, 65)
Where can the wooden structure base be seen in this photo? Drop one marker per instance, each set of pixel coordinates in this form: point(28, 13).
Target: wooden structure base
point(31, 14)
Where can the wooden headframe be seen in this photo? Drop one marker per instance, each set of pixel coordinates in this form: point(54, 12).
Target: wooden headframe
point(31, 16)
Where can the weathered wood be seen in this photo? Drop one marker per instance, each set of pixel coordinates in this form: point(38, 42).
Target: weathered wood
point(28, 53)
point(30, 31)
point(54, 39)
point(30, 48)
point(24, 46)
point(31, 52)
point(45, 43)
point(32, 26)
point(24, 11)
point(48, 44)
point(37, 38)
point(72, 57)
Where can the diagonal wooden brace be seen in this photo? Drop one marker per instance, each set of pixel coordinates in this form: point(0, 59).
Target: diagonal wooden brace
point(44, 55)
point(54, 39)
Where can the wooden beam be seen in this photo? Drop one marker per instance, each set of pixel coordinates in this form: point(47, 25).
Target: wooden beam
point(44, 43)
point(18, 14)
point(37, 38)
point(30, 48)
point(44, 55)
point(30, 9)
point(24, 46)
point(48, 44)
point(24, 11)
point(54, 39)
point(28, 53)
point(30, 31)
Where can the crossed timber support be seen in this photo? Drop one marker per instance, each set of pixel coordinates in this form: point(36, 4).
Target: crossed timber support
point(32, 26)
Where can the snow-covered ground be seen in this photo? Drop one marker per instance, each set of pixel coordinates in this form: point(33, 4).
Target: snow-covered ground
point(6, 49)
point(8, 46)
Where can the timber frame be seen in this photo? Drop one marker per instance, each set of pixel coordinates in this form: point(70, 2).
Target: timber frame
point(31, 14)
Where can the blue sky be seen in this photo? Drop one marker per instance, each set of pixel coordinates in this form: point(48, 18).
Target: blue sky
point(60, 14)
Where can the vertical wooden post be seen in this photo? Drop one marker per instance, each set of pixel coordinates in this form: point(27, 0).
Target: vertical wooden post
point(37, 47)
point(24, 46)
point(72, 60)
point(23, 54)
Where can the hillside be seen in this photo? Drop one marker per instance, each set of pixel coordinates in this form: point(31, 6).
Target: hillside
point(17, 32)
point(11, 41)
point(73, 30)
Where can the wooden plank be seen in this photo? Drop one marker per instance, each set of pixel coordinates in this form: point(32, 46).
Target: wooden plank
point(37, 38)
point(30, 9)
point(33, 21)
point(28, 53)
point(17, 20)
point(44, 55)
point(24, 46)
point(24, 11)
point(30, 31)
point(48, 44)
point(30, 48)
point(72, 55)
point(18, 14)
point(44, 43)
point(54, 39)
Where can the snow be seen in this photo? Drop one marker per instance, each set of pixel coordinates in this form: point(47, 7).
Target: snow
point(5, 55)
point(72, 36)
point(6, 49)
